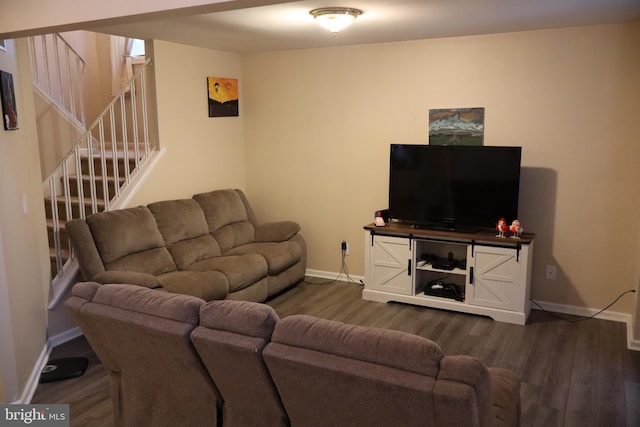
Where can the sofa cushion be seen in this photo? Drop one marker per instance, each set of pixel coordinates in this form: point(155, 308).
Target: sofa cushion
point(153, 261)
point(390, 348)
point(276, 231)
point(279, 255)
point(239, 317)
point(227, 218)
point(185, 231)
point(230, 340)
point(129, 239)
point(179, 219)
point(187, 252)
point(240, 270)
point(128, 277)
point(181, 308)
point(207, 285)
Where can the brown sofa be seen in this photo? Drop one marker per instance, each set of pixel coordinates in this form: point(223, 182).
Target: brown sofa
point(210, 246)
point(260, 370)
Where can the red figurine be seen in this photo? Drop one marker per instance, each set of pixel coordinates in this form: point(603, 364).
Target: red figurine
point(502, 227)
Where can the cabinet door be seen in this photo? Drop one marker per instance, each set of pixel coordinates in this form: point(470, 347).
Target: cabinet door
point(495, 279)
point(389, 265)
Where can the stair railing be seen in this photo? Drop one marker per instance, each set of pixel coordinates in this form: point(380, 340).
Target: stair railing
point(57, 72)
point(84, 182)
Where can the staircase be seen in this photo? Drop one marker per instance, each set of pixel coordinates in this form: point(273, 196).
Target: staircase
point(79, 204)
point(104, 166)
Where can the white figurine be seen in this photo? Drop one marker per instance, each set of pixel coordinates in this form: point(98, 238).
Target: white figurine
point(379, 220)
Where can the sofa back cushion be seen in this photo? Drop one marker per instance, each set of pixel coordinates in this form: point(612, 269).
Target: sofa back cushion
point(129, 239)
point(373, 345)
point(228, 218)
point(230, 340)
point(329, 373)
point(185, 232)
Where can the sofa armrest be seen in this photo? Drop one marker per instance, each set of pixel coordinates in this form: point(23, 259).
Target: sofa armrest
point(506, 396)
point(128, 277)
point(471, 372)
point(276, 231)
point(85, 248)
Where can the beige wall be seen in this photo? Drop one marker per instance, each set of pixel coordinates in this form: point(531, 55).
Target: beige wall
point(25, 255)
point(318, 124)
point(202, 153)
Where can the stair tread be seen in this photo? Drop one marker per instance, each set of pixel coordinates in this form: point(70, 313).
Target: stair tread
point(109, 155)
point(64, 252)
point(76, 199)
point(98, 177)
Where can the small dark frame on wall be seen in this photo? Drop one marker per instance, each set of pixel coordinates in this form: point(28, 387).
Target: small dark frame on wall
point(8, 97)
point(3, 46)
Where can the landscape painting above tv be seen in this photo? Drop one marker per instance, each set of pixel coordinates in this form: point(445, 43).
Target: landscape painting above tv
point(456, 126)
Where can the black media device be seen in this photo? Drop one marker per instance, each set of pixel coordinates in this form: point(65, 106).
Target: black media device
point(461, 188)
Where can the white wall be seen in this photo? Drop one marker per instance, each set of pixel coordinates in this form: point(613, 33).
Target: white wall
point(319, 123)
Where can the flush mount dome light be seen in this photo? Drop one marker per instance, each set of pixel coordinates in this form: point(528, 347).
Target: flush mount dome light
point(335, 19)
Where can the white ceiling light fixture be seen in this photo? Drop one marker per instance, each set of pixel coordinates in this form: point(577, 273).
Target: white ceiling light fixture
point(335, 19)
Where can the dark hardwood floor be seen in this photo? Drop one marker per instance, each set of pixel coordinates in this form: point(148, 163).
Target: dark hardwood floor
point(573, 374)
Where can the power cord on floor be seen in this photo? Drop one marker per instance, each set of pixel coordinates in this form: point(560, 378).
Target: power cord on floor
point(582, 318)
point(344, 269)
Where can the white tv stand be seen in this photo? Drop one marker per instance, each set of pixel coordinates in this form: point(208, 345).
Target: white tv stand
point(492, 274)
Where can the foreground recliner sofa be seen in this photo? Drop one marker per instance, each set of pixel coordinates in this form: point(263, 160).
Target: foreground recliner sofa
point(210, 246)
point(183, 361)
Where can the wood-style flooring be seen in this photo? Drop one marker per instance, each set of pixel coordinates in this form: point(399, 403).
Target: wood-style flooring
point(573, 373)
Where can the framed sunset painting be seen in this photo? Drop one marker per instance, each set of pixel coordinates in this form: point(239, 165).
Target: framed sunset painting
point(223, 97)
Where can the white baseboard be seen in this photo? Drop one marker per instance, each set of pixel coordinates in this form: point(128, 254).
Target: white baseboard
point(34, 378)
point(334, 276)
point(65, 336)
point(43, 359)
point(583, 311)
point(614, 316)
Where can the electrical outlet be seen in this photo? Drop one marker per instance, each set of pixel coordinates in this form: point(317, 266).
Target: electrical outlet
point(344, 246)
point(550, 272)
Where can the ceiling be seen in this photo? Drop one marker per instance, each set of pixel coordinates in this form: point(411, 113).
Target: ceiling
point(288, 25)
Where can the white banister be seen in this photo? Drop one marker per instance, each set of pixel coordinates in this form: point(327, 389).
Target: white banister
point(57, 71)
point(99, 145)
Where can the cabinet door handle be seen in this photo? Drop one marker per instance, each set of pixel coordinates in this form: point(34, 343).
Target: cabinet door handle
point(471, 275)
point(409, 267)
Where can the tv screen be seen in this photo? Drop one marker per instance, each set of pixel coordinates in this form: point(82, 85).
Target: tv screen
point(465, 188)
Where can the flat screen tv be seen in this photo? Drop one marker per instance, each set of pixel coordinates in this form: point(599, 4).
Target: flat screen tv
point(463, 188)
